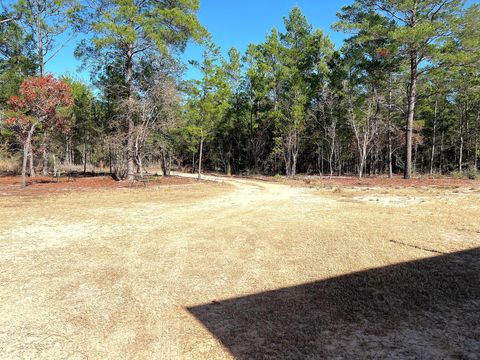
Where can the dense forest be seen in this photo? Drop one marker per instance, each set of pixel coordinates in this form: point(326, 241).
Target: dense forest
point(400, 96)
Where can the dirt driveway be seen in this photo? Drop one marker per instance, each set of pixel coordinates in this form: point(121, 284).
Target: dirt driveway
point(240, 269)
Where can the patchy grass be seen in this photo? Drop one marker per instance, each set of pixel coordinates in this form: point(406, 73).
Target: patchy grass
point(240, 269)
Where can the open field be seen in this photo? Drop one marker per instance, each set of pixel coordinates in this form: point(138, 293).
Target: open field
point(241, 269)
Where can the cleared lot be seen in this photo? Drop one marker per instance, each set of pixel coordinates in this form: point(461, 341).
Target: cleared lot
point(241, 269)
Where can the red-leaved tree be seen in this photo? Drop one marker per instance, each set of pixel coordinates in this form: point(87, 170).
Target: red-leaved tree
point(41, 102)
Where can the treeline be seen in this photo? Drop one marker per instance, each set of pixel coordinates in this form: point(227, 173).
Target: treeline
point(400, 96)
point(127, 118)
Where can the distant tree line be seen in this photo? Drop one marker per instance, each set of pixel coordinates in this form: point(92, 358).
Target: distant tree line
point(126, 118)
point(401, 96)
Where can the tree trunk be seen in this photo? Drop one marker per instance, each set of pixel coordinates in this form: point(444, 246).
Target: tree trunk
point(412, 98)
point(91, 160)
point(477, 129)
point(389, 131)
point(72, 153)
point(130, 123)
point(140, 166)
point(322, 163)
point(200, 154)
point(415, 157)
point(432, 157)
point(30, 161)
point(229, 167)
point(84, 158)
point(460, 150)
point(252, 142)
point(165, 163)
point(44, 155)
point(319, 161)
point(362, 150)
point(68, 160)
point(169, 163)
point(460, 157)
point(293, 172)
point(110, 165)
point(41, 63)
point(55, 168)
point(26, 151)
point(138, 156)
point(45, 161)
point(330, 159)
point(24, 164)
point(287, 155)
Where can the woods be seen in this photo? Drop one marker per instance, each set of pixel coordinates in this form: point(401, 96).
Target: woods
point(399, 96)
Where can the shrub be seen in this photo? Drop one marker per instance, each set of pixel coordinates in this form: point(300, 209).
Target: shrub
point(472, 174)
point(457, 175)
point(10, 165)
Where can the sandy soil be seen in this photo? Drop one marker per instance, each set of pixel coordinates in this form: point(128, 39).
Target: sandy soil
point(242, 269)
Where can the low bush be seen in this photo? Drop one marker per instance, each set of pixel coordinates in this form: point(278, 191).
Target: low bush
point(472, 174)
point(457, 175)
point(10, 165)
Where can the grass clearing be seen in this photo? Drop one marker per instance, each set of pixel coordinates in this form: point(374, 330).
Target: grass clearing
point(241, 269)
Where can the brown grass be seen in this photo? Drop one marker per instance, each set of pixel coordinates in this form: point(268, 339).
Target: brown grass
point(9, 166)
point(240, 269)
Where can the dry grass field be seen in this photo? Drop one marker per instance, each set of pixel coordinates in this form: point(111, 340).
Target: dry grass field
point(240, 269)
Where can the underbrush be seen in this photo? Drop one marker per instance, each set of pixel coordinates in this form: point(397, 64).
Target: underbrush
point(471, 174)
point(10, 165)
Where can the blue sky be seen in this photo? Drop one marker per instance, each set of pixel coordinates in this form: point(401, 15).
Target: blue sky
point(237, 23)
point(233, 23)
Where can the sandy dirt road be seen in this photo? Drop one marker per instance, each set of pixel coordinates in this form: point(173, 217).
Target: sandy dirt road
point(240, 269)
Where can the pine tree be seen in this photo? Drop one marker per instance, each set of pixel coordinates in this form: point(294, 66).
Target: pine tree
point(420, 27)
point(131, 30)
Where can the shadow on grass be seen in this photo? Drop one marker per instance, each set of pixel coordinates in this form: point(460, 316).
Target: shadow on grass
point(428, 308)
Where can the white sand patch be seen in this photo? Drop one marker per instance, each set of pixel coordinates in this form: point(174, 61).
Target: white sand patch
point(391, 200)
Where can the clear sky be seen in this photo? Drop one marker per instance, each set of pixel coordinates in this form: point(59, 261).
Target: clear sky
point(233, 23)
point(237, 23)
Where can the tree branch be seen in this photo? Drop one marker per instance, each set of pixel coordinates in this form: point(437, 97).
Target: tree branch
point(7, 20)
